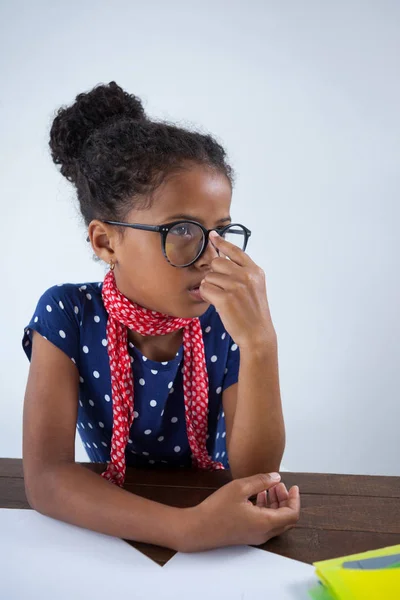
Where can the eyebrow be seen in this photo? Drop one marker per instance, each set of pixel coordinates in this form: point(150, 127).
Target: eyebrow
point(192, 218)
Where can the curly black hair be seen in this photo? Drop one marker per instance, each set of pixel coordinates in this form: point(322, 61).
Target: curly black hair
point(117, 157)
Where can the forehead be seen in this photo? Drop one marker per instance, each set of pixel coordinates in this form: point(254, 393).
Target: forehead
point(197, 191)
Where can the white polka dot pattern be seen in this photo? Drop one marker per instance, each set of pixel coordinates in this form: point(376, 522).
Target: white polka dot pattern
point(123, 314)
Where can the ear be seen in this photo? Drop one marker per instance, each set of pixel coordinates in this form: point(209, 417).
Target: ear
point(103, 238)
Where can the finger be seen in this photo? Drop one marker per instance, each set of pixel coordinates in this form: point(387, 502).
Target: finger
point(272, 498)
point(279, 492)
point(230, 250)
point(221, 265)
point(220, 280)
point(226, 281)
point(286, 515)
point(211, 293)
point(282, 493)
point(250, 486)
point(286, 501)
point(222, 255)
point(294, 496)
point(262, 499)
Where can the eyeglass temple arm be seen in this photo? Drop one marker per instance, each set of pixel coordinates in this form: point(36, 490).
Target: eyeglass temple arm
point(155, 228)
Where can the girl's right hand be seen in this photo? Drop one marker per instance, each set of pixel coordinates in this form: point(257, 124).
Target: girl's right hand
point(228, 518)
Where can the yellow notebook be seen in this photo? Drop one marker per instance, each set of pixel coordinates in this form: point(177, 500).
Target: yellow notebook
point(361, 581)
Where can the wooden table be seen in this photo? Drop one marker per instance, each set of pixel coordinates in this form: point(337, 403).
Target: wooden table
point(341, 514)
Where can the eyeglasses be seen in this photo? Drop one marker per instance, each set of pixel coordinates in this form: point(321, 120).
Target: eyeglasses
point(184, 242)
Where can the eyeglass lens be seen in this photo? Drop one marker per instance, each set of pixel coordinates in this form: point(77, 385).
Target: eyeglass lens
point(185, 241)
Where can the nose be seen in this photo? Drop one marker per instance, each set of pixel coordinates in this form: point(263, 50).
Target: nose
point(208, 255)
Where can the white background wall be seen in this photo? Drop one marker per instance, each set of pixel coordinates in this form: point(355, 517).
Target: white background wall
point(305, 96)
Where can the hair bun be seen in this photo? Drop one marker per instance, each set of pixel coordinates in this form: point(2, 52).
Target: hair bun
point(74, 124)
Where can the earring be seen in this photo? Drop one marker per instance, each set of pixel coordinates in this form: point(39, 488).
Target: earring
point(112, 266)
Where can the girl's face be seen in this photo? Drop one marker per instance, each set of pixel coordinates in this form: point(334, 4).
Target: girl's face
point(142, 272)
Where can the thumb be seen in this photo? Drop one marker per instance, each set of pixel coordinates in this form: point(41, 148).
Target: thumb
point(258, 483)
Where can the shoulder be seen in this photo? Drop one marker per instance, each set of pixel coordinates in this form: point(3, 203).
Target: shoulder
point(70, 296)
point(68, 302)
point(61, 313)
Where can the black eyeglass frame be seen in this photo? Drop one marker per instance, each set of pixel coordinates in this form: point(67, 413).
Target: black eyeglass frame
point(164, 229)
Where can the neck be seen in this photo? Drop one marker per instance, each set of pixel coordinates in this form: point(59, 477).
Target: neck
point(159, 348)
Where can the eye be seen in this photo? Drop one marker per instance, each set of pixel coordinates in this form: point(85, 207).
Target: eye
point(183, 230)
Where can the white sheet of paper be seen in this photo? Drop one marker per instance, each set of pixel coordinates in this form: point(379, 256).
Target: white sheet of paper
point(238, 573)
point(41, 558)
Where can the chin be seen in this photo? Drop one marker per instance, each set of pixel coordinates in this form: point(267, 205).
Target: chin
point(199, 310)
point(191, 312)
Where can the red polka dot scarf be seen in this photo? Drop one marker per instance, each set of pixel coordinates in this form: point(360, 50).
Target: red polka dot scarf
point(124, 314)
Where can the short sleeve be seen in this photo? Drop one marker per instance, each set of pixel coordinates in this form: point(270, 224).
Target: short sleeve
point(56, 319)
point(231, 375)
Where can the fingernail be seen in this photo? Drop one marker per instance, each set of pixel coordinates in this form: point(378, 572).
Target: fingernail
point(275, 476)
point(214, 234)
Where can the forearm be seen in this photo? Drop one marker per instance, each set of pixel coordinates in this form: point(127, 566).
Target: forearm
point(72, 493)
point(257, 439)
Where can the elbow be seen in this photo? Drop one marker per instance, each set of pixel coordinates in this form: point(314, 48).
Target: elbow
point(39, 490)
point(36, 495)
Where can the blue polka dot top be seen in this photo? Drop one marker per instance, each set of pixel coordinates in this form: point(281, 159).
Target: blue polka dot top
point(73, 318)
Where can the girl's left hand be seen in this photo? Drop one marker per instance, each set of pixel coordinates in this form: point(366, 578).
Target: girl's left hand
point(237, 289)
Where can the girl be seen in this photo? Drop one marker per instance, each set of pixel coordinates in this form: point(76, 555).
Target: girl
point(172, 360)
